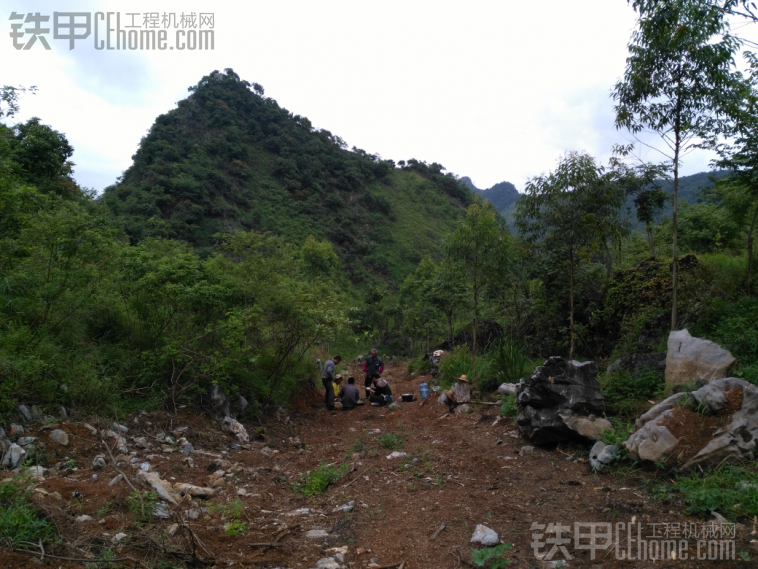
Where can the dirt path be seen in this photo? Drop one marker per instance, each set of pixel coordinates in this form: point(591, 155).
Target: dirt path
point(455, 473)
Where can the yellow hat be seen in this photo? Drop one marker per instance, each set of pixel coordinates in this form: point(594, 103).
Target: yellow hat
point(463, 378)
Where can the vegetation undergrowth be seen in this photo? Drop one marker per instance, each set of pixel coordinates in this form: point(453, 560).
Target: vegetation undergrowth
point(313, 483)
point(20, 521)
point(491, 557)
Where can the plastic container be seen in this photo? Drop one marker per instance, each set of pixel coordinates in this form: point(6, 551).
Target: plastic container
point(424, 389)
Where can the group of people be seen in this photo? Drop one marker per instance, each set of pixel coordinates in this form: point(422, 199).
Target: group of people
point(378, 391)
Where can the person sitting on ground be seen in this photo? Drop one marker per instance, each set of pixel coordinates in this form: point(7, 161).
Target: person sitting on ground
point(349, 395)
point(337, 385)
point(380, 390)
point(327, 378)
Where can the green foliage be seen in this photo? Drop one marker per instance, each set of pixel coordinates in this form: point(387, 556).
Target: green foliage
point(508, 362)
point(142, 504)
point(455, 364)
point(491, 557)
point(391, 441)
point(508, 407)
point(619, 433)
point(624, 392)
point(19, 519)
point(313, 483)
point(729, 489)
point(235, 528)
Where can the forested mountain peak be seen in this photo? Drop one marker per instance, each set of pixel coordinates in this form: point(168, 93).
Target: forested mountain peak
point(230, 158)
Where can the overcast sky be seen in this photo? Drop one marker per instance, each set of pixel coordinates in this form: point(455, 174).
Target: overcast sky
point(492, 90)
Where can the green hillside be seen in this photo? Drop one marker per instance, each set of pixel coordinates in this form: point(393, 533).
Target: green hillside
point(229, 158)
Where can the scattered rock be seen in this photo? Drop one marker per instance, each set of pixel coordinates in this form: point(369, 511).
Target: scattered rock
point(173, 529)
point(240, 404)
point(60, 437)
point(36, 415)
point(120, 537)
point(187, 449)
point(161, 511)
point(194, 491)
point(83, 518)
point(234, 427)
point(141, 442)
point(561, 401)
point(62, 412)
point(462, 409)
point(92, 430)
point(5, 442)
point(327, 563)
point(36, 471)
point(689, 358)
point(195, 513)
point(241, 492)
point(506, 388)
point(220, 402)
point(301, 512)
point(25, 441)
point(16, 430)
point(24, 413)
point(316, 534)
point(602, 455)
point(14, 456)
point(115, 480)
point(120, 441)
point(120, 428)
point(484, 535)
point(349, 507)
point(99, 462)
point(395, 454)
point(161, 487)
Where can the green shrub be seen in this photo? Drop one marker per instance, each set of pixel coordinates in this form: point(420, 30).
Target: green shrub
point(142, 504)
point(619, 433)
point(508, 407)
point(457, 363)
point(419, 366)
point(315, 482)
point(491, 557)
point(507, 362)
point(19, 519)
point(625, 393)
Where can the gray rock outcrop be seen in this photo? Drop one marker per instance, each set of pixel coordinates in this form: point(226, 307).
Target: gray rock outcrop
point(689, 358)
point(654, 440)
point(561, 401)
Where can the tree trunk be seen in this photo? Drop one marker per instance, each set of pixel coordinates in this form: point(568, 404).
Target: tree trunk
point(571, 303)
point(750, 253)
point(608, 260)
point(474, 351)
point(650, 240)
point(674, 271)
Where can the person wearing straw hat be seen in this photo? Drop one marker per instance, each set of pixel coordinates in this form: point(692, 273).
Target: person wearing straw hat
point(461, 392)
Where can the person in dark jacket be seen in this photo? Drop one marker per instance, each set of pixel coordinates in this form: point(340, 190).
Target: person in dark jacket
point(379, 391)
point(372, 365)
point(328, 376)
point(349, 395)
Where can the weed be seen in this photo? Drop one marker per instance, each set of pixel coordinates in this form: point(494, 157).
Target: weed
point(234, 528)
point(491, 557)
point(618, 433)
point(508, 362)
point(104, 510)
point(317, 481)
point(71, 464)
point(744, 555)
point(625, 393)
point(411, 487)
point(730, 490)
point(390, 441)
point(438, 481)
point(142, 504)
point(19, 520)
point(508, 407)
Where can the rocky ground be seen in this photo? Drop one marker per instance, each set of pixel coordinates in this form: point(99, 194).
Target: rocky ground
point(416, 511)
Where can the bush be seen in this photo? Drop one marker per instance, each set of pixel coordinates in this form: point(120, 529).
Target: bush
point(457, 363)
point(509, 407)
point(390, 441)
point(625, 393)
point(19, 519)
point(419, 366)
point(619, 433)
point(507, 362)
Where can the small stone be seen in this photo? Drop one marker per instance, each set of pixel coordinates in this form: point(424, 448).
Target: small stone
point(484, 535)
point(25, 441)
point(187, 449)
point(173, 529)
point(99, 462)
point(234, 446)
point(241, 492)
point(316, 534)
point(92, 430)
point(327, 563)
point(349, 507)
point(36, 414)
point(36, 472)
point(507, 388)
point(59, 437)
point(195, 513)
point(115, 480)
point(120, 536)
point(14, 456)
point(161, 511)
point(84, 518)
point(144, 466)
point(62, 412)
point(26, 415)
point(120, 428)
point(395, 454)
point(16, 430)
point(526, 449)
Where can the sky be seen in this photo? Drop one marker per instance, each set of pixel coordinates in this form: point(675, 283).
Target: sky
point(494, 90)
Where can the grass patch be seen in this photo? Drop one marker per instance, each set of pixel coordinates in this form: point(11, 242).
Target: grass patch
point(619, 433)
point(491, 557)
point(313, 483)
point(390, 441)
point(19, 518)
point(627, 394)
point(730, 490)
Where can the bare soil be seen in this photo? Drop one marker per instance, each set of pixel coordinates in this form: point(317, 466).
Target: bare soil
point(459, 471)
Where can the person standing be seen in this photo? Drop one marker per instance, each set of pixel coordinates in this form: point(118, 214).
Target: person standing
point(373, 366)
point(327, 378)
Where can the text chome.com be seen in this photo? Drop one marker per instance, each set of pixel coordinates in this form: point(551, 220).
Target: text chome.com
point(628, 541)
point(110, 31)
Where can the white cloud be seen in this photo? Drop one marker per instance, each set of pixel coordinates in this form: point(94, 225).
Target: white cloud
point(496, 90)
